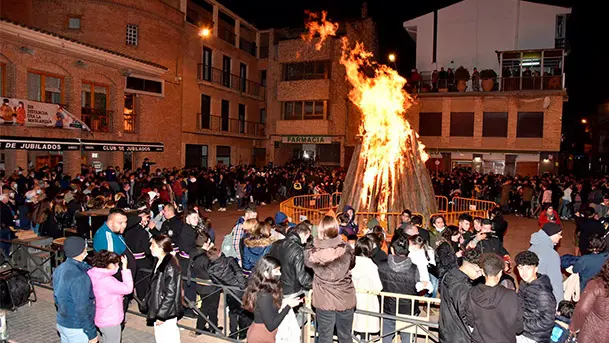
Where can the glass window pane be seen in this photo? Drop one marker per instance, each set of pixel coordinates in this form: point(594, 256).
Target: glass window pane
point(319, 107)
point(289, 108)
point(309, 70)
point(86, 95)
point(298, 109)
point(52, 84)
point(308, 107)
point(74, 23)
point(33, 87)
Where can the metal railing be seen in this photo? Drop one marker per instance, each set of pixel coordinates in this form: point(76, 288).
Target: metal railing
point(97, 120)
point(230, 125)
point(208, 73)
point(497, 84)
point(247, 46)
point(129, 122)
point(227, 34)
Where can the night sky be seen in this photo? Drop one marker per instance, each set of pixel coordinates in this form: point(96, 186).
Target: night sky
point(587, 78)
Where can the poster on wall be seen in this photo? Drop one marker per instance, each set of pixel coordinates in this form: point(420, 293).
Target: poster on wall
point(20, 112)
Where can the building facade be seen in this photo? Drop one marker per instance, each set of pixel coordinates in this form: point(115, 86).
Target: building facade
point(143, 76)
point(506, 116)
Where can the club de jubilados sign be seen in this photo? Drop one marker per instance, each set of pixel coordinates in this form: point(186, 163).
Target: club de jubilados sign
point(307, 139)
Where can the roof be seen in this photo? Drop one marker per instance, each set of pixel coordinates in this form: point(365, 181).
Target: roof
point(53, 34)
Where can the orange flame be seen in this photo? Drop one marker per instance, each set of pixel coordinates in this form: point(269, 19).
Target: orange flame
point(316, 25)
point(388, 141)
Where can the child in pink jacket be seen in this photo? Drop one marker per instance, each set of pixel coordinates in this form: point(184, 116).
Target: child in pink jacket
point(109, 293)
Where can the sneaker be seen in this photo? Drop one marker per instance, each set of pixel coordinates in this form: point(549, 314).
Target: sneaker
point(207, 210)
point(263, 204)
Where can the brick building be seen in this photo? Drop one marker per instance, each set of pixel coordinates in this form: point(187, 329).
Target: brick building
point(142, 75)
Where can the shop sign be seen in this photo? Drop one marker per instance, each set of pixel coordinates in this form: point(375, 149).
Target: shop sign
point(37, 144)
point(122, 147)
point(306, 139)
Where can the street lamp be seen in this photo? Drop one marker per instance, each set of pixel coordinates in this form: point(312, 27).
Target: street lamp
point(205, 32)
point(392, 58)
point(584, 121)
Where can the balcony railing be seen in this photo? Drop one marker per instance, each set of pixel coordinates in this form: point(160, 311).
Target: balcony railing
point(227, 34)
point(230, 125)
point(498, 84)
point(129, 120)
point(247, 46)
point(232, 81)
point(97, 120)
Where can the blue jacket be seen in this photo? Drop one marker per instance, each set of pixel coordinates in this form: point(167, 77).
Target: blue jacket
point(588, 266)
point(105, 239)
point(74, 297)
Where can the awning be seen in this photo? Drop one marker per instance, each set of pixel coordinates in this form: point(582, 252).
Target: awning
point(91, 145)
point(45, 144)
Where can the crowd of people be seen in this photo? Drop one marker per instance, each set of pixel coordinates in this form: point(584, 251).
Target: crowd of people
point(159, 238)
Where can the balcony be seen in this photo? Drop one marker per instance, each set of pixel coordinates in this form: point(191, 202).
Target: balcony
point(230, 125)
point(247, 46)
point(97, 120)
point(497, 84)
point(227, 34)
point(207, 73)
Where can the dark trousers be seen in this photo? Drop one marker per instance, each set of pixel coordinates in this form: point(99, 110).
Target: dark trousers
point(327, 320)
point(238, 317)
point(209, 201)
point(525, 208)
point(209, 307)
point(190, 290)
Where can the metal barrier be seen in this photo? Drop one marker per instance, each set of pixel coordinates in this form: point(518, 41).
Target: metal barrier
point(467, 204)
point(39, 261)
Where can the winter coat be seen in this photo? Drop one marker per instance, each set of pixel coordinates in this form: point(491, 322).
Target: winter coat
point(588, 266)
point(539, 306)
point(225, 271)
point(445, 258)
point(454, 288)
point(164, 298)
point(591, 315)
point(378, 255)
point(366, 278)
point(109, 294)
point(351, 224)
point(544, 219)
point(495, 313)
point(549, 261)
point(253, 250)
point(399, 275)
point(587, 229)
point(105, 239)
point(331, 261)
point(290, 254)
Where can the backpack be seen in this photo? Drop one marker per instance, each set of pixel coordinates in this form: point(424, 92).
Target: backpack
point(227, 246)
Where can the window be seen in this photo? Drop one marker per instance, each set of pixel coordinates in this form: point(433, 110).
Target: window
point(530, 125)
point(225, 113)
point(144, 86)
point(263, 77)
point(242, 76)
point(495, 124)
point(430, 124)
point(94, 96)
point(223, 155)
point(131, 37)
point(129, 113)
point(306, 71)
point(207, 53)
point(74, 23)
point(241, 118)
point(310, 109)
point(45, 87)
point(205, 111)
point(226, 64)
point(263, 115)
point(462, 124)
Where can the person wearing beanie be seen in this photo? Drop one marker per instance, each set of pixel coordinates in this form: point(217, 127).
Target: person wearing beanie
point(542, 244)
point(73, 295)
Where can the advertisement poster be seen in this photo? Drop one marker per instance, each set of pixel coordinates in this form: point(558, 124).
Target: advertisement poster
point(21, 112)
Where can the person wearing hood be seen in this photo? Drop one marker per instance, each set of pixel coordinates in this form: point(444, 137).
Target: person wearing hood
point(454, 288)
point(282, 223)
point(542, 244)
point(333, 291)
point(256, 245)
point(399, 275)
point(494, 312)
point(537, 299)
point(350, 211)
point(109, 293)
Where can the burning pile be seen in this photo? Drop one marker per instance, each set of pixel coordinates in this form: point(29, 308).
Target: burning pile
point(387, 171)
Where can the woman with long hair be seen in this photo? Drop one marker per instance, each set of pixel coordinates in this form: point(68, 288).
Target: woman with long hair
point(449, 251)
point(591, 317)
point(263, 297)
point(423, 257)
point(163, 303)
point(256, 245)
point(109, 293)
point(333, 291)
point(366, 279)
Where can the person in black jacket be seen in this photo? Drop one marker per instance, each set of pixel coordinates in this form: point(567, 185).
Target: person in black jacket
point(537, 298)
point(210, 295)
point(486, 241)
point(172, 226)
point(184, 240)
point(454, 288)
point(587, 226)
point(398, 275)
point(499, 224)
point(225, 271)
point(137, 239)
point(163, 304)
point(263, 298)
point(494, 312)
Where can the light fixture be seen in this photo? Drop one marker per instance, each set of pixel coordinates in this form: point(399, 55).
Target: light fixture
point(204, 32)
point(584, 121)
point(94, 155)
point(391, 57)
point(477, 159)
point(545, 160)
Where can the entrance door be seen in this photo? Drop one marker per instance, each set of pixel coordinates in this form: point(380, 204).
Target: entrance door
point(241, 118)
point(128, 160)
point(225, 114)
point(223, 155)
point(259, 156)
point(196, 156)
point(205, 111)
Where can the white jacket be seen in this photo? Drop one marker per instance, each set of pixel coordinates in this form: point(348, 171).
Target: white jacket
point(366, 280)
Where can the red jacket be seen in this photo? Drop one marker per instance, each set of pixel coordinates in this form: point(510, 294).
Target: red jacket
point(543, 218)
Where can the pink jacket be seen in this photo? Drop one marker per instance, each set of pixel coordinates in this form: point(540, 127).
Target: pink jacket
point(109, 295)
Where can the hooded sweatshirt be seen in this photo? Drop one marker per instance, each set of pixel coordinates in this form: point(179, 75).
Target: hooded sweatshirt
point(495, 313)
point(549, 261)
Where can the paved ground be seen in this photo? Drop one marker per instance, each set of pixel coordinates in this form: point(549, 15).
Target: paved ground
point(37, 323)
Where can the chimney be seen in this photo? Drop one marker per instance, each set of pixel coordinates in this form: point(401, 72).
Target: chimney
point(364, 10)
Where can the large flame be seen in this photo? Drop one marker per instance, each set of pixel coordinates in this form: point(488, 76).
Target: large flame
point(387, 138)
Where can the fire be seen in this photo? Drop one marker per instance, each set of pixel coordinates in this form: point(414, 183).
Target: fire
point(317, 25)
point(388, 141)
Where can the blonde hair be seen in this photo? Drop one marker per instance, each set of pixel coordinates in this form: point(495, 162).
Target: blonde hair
point(251, 225)
point(328, 228)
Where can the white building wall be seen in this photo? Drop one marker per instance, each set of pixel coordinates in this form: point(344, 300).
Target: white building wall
point(470, 32)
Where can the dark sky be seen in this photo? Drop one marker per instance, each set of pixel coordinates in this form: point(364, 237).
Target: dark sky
point(587, 77)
